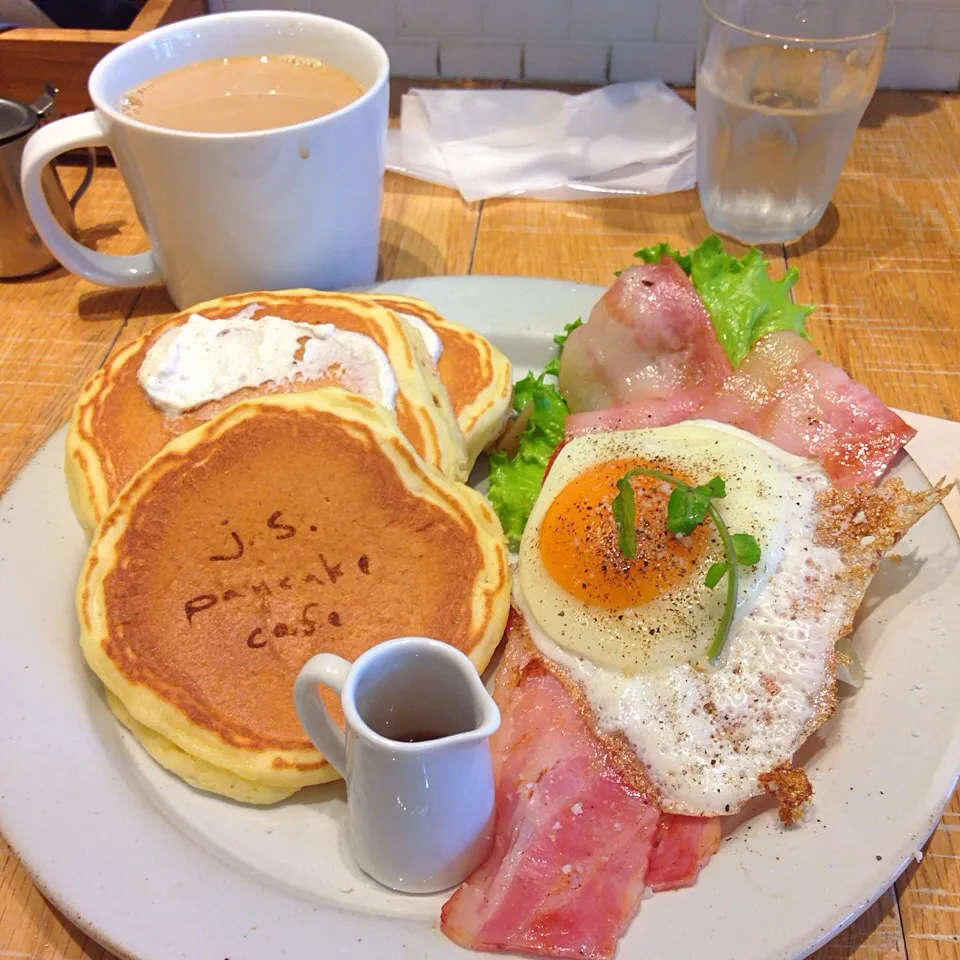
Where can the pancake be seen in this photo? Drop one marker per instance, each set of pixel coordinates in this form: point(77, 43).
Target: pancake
point(287, 526)
point(116, 427)
point(476, 374)
point(203, 776)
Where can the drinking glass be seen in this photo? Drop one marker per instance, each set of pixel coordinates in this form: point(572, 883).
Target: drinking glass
point(781, 87)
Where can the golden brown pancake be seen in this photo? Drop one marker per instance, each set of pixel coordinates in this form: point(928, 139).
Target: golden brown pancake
point(476, 374)
point(116, 428)
point(203, 776)
point(287, 526)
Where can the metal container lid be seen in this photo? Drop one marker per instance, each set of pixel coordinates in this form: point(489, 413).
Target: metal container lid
point(16, 119)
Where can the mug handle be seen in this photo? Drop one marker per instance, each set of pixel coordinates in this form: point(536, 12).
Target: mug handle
point(46, 144)
point(330, 671)
point(87, 178)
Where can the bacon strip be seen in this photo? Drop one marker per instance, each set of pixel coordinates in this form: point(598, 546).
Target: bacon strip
point(649, 341)
point(575, 845)
point(681, 850)
point(785, 393)
point(633, 416)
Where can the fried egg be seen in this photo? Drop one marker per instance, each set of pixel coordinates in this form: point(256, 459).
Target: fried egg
point(634, 632)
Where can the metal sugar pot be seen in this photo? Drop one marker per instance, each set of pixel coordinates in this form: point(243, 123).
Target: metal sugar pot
point(22, 252)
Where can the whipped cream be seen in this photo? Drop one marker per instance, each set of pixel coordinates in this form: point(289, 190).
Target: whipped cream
point(431, 341)
point(203, 360)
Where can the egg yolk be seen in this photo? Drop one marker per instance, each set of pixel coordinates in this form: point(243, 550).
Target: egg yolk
point(579, 545)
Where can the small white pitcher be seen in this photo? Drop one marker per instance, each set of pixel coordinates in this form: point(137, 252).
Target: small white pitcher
point(416, 758)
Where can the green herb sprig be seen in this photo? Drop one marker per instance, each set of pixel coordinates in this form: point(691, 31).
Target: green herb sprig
point(748, 553)
point(687, 508)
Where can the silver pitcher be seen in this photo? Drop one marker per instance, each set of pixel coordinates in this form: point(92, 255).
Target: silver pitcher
point(22, 252)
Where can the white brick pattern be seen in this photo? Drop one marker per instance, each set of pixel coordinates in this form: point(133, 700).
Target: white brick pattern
point(579, 62)
point(484, 59)
point(526, 19)
point(921, 70)
point(372, 15)
point(595, 41)
point(670, 62)
point(413, 58)
point(437, 18)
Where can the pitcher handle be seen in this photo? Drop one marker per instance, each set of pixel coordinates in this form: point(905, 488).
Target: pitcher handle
point(330, 671)
point(108, 270)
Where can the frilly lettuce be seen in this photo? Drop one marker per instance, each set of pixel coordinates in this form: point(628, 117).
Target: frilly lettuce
point(515, 482)
point(742, 300)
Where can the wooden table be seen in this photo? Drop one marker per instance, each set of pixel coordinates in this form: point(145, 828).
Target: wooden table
point(882, 266)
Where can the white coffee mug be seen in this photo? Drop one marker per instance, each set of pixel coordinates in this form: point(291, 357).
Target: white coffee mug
point(295, 206)
point(416, 758)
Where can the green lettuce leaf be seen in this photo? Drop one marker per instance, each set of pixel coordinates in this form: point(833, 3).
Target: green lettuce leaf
point(514, 484)
point(656, 253)
point(742, 300)
point(552, 369)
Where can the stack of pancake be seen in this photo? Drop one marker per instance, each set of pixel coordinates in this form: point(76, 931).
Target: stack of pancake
point(235, 539)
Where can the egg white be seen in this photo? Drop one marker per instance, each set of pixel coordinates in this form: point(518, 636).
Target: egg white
point(678, 625)
point(704, 734)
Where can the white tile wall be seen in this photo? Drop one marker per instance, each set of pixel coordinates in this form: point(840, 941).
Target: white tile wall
point(612, 19)
point(413, 58)
point(487, 59)
point(678, 20)
point(594, 41)
point(913, 26)
point(945, 34)
point(432, 18)
point(574, 61)
point(371, 15)
point(670, 62)
point(921, 69)
point(526, 19)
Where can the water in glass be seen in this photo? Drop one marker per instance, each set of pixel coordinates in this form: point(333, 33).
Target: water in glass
point(775, 121)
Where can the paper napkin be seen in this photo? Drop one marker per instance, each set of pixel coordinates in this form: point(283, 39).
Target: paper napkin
point(627, 138)
point(935, 451)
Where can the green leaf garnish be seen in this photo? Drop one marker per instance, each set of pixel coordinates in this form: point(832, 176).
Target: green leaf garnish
point(552, 369)
point(686, 509)
point(560, 339)
point(716, 488)
point(687, 506)
point(748, 550)
point(715, 574)
point(624, 508)
point(516, 481)
point(656, 253)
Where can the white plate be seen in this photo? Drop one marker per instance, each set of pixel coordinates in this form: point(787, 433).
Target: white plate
point(158, 871)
